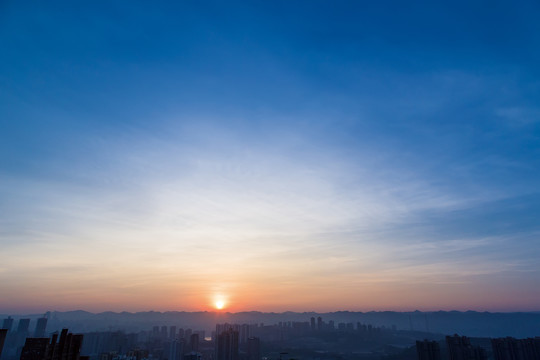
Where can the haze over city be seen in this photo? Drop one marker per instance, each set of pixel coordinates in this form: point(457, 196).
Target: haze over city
point(271, 156)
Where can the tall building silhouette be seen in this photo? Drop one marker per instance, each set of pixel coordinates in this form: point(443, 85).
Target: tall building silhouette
point(21, 334)
point(172, 332)
point(227, 345)
point(23, 326)
point(65, 347)
point(3, 334)
point(243, 330)
point(68, 346)
point(176, 351)
point(460, 348)
point(163, 333)
point(428, 350)
point(41, 325)
point(35, 349)
point(8, 323)
point(510, 348)
point(254, 348)
point(194, 342)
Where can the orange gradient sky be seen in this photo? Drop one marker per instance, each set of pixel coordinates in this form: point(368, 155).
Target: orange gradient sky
point(260, 229)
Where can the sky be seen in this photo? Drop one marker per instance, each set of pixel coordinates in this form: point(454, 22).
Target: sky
point(270, 155)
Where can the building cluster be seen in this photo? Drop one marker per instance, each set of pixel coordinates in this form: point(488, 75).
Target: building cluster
point(66, 346)
point(314, 339)
point(12, 338)
point(460, 348)
point(288, 330)
point(516, 349)
point(232, 340)
point(63, 346)
point(160, 343)
point(228, 342)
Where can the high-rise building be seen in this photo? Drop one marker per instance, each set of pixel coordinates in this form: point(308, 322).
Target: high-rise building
point(531, 347)
point(68, 346)
point(510, 348)
point(176, 350)
point(164, 332)
point(3, 334)
point(8, 323)
point(35, 349)
point(22, 333)
point(254, 348)
point(243, 331)
point(24, 324)
point(194, 342)
point(41, 325)
point(428, 350)
point(320, 324)
point(172, 332)
point(460, 348)
point(312, 324)
point(227, 345)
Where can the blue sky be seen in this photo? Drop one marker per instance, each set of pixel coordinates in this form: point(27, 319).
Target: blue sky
point(355, 151)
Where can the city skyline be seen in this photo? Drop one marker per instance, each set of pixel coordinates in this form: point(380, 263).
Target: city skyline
point(269, 156)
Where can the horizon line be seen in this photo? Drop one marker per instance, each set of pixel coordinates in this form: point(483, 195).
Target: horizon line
point(267, 312)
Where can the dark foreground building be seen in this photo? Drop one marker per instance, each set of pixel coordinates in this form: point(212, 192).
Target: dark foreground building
point(227, 345)
point(460, 348)
point(65, 347)
point(510, 348)
point(254, 348)
point(35, 349)
point(428, 350)
point(3, 334)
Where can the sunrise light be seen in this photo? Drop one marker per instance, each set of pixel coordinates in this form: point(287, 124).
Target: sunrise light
point(219, 304)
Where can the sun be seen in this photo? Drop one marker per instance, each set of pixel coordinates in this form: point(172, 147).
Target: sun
point(219, 304)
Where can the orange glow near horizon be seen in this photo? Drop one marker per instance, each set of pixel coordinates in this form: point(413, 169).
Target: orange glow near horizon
point(265, 294)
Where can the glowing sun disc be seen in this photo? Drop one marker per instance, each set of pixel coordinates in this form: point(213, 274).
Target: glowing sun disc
point(220, 304)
